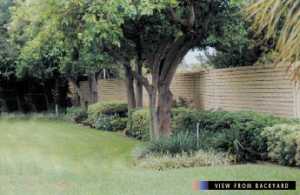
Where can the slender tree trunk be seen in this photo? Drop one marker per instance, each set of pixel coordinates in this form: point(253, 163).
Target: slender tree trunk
point(139, 85)
point(56, 96)
point(46, 97)
point(130, 88)
point(77, 92)
point(153, 115)
point(93, 88)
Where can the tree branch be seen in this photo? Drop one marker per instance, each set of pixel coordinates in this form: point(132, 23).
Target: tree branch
point(187, 23)
point(143, 80)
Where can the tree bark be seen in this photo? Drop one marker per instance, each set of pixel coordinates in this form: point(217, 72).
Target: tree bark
point(160, 100)
point(139, 85)
point(77, 91)
point(93, 88)
point(130, 87)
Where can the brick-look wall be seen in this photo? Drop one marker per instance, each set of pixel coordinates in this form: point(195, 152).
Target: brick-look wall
point(259, 88)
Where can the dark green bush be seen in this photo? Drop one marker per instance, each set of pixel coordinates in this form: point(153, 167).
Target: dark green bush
point(76, 114)
point(236, 132)
point(283, 143)
point(110, 123)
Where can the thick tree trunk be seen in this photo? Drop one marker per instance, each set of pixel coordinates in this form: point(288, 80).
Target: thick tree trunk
point(139, 85)
point(130, 88)
point(164, 107)
point(93, 88)
point(160, 107)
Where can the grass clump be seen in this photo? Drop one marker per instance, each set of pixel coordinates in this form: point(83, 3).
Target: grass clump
point(184, 160)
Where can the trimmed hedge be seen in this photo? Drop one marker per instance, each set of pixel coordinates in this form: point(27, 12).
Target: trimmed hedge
point(110, 123)
point(283, 143)
point(98, 110)
point(109, 108)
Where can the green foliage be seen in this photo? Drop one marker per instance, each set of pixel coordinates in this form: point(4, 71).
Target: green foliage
point(177, 143)
point(108, 108)
point(109, 116)
point(279, 20)
point(76, 114)
point(238, 46)
point(110, 123)
point(237, 133)
point(283, 143)
point(138, 124)
point(8, 53)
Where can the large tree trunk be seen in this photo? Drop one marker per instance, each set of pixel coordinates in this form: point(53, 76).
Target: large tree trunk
point(93, 87)
point(160, 99)
point(130, 88)
point(139, 85)
point(164, 106)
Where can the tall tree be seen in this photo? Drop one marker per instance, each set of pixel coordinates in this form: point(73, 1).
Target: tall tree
point(167, 30)
point(50, 37)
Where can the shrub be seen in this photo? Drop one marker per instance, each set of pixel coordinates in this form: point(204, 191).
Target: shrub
point(110, 123)
point(283, 143)
point(138, 124)
point(184, 160)
point(105, 108)
point(235, 132)
point(76, 114)
point(109, 108)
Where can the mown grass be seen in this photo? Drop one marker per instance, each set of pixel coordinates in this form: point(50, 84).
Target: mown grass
point(41, 157)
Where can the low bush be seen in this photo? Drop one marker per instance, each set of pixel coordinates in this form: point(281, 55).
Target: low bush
point(138, 124)
point(283, 143)
point(184, 160)
point(236, 132)
point(109, 108)
point(110, 123)
point(116, 109)
point(76, 114)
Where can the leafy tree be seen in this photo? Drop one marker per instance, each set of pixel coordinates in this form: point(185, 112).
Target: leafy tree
point(280, 20)
point(50, 37)
point(167, 30)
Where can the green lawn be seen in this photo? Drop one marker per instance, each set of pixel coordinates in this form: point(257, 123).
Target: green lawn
point(50, 157)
